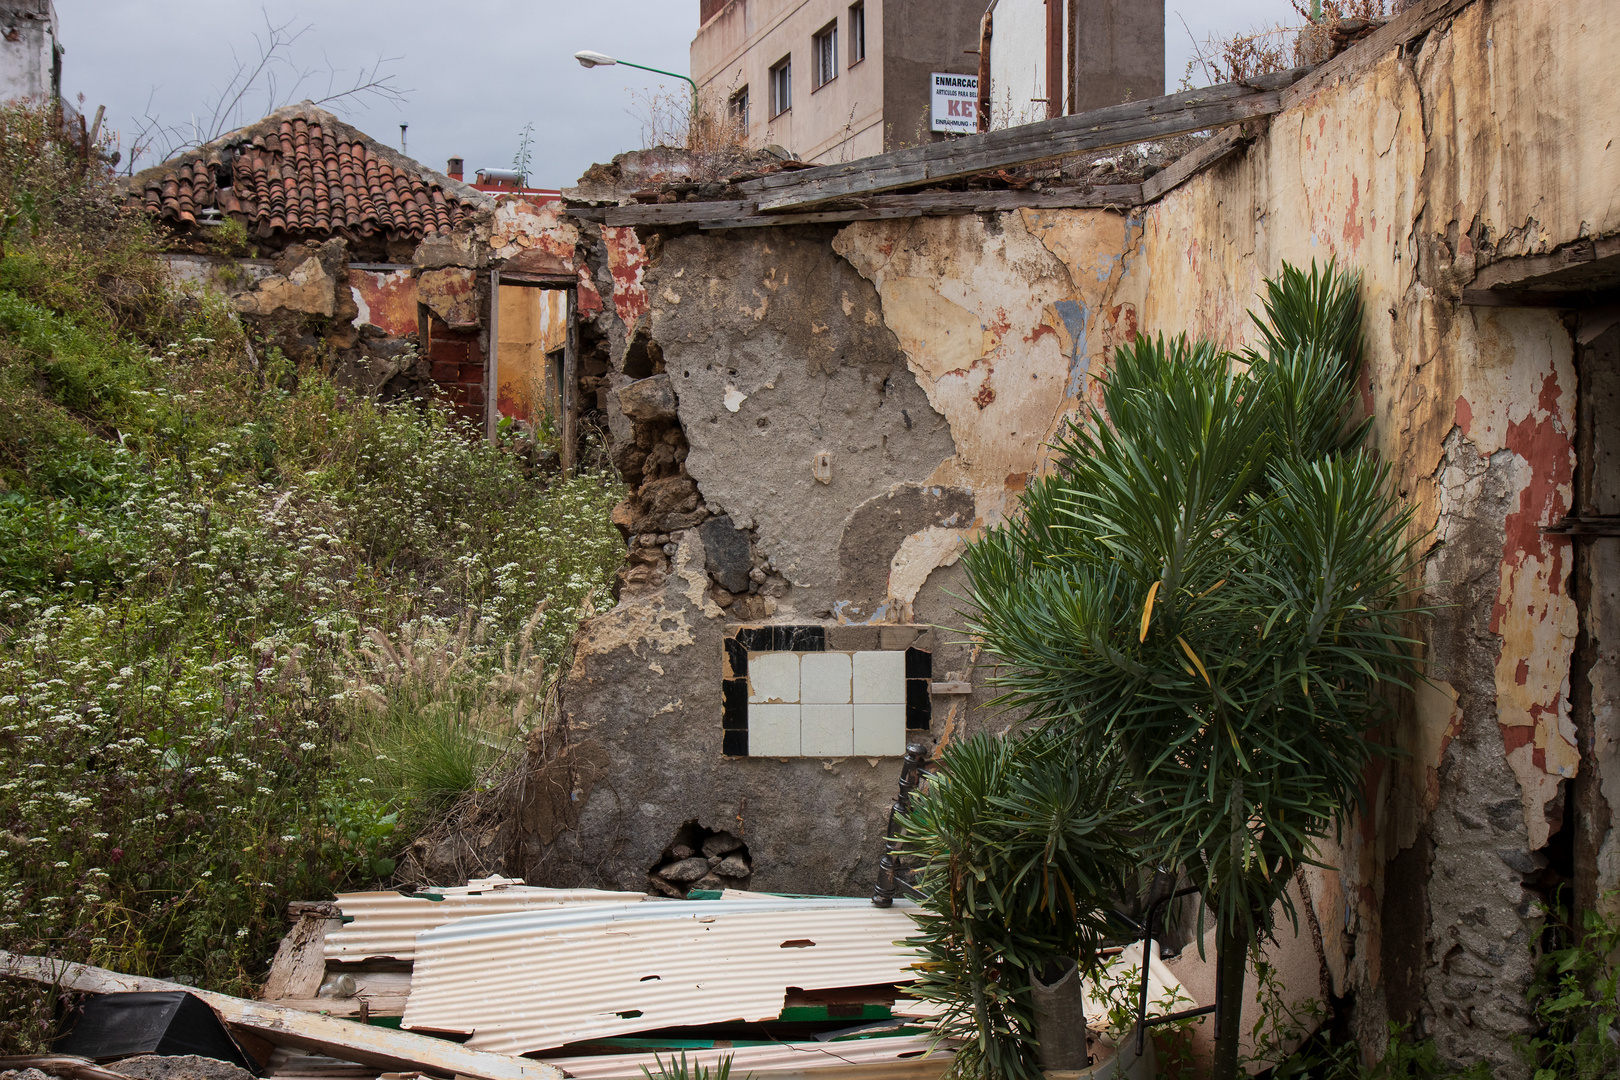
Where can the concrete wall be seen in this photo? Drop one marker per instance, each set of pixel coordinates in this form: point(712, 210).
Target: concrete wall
point(28, 41)
point(921, 37)
point(1118, 48)
point(1119, 53)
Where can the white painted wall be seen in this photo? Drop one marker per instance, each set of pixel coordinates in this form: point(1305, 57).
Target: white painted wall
point(1018, 63)
point(27, 41)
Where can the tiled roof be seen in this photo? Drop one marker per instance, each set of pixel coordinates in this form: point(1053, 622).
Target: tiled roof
point(302, 171)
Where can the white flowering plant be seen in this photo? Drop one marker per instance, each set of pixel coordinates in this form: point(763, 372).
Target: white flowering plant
point(206, 556)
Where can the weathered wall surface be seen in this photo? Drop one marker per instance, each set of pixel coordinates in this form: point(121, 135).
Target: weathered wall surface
point(934, 359)
point(762, 350)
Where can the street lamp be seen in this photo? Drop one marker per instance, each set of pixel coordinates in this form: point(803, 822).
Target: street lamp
point(589, 59)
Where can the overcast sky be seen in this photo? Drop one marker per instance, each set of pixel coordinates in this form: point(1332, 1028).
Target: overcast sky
point(476, 72)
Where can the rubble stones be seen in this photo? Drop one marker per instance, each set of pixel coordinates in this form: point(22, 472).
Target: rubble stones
point(179, 1067)
point(648, 401)
point(721, 844)
point(733, 866)
point(726, 555)
point(685, 871)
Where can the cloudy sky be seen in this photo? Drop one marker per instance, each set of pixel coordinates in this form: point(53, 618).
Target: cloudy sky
point(476, 72)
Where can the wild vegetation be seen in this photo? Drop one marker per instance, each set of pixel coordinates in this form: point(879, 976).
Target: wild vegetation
point(254, 627)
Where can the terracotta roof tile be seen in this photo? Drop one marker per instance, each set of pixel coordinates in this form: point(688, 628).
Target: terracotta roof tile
point(302, 171)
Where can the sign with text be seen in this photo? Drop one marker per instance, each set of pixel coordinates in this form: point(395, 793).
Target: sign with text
point(956, 103)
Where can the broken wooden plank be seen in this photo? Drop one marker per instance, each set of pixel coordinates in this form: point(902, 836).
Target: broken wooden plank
point(733, 213)
point(1116, 125)
point(951, 688)
point(60, 1065)
point(1195, 161)
point(754, 221)
point(385, 1048)
point(680, 213)
point(1412, 23)
point(300, 961)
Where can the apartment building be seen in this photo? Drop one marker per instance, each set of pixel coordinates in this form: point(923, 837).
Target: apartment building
point(833, 80)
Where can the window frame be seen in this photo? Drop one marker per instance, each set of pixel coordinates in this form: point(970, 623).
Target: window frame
point(857, 32)
point(781, 83)
point(824, 56)
point(738, 106)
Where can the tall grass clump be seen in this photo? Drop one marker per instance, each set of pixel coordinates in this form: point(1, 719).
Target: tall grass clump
point(254, 629)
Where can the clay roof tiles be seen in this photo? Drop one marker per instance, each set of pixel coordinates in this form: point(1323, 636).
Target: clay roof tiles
point(302, 171)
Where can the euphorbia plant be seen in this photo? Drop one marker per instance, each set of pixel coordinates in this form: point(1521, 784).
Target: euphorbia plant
point(1207, 590)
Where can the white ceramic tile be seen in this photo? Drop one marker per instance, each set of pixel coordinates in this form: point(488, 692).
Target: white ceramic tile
point(828, 731)
point(773, 730)
point(773, 677)
point(880, 678)
point(880, 730)
point(824, 678)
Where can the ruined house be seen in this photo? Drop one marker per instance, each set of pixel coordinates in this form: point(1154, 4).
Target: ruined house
point(339, 250)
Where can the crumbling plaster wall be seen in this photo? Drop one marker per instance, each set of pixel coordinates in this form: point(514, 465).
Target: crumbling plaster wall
point(1486, 141)
point(1483, 141)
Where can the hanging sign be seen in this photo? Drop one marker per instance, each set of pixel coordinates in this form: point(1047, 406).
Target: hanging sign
point(956, 103)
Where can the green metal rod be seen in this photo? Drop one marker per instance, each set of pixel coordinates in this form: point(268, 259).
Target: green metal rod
point(661, 71)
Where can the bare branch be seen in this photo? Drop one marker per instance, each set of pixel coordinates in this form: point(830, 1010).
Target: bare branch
point(274, 72)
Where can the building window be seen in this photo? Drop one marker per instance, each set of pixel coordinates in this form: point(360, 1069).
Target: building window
point(782, 86)
point(857, 33)
point(825, 49)
point(739, 109)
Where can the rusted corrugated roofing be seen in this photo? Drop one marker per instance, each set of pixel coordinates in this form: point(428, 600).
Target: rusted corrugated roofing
point(301, 171)
point(539, 979)
point(386, 923)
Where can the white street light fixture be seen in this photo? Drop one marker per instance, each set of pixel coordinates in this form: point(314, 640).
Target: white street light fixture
point(588, 59)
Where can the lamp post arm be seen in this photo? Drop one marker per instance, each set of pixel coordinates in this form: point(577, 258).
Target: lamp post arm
point(661, 71)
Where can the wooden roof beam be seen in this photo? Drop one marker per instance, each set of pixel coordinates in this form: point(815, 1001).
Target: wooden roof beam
point(1101, 129)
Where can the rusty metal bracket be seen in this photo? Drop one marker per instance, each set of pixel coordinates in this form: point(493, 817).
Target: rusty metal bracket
point(1159, 898)
point(911, 776)
point(1585, 525)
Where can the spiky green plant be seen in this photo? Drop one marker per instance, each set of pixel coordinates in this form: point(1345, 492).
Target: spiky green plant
point(1018, 841)
point(1208, 590)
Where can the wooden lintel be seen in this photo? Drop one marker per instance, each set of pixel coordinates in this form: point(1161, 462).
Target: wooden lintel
point(367, 1044)
point(755, 221)
point(1528, 298)
point(742, 215)
point(677, 213)
point(1100, 129)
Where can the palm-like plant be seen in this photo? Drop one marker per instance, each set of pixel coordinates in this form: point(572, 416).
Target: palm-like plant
point(1207, 590)
point(1014, 840)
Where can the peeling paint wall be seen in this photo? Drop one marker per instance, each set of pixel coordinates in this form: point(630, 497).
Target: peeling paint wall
point(934, 358)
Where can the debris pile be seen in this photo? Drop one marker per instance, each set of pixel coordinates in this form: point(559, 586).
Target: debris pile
point(498, 980)
point(700, 860)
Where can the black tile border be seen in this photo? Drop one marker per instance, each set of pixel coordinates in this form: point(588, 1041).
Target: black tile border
point(806, 637)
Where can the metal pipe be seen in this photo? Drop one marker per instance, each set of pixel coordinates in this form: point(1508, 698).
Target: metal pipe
point(985, 30)
point(888, 882)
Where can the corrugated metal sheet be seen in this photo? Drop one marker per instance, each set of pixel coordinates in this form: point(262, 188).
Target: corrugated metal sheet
point(386, 923)
point(906, 1049)
point(540, 979)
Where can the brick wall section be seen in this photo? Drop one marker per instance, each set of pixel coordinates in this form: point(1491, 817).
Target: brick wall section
point(457, 366)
